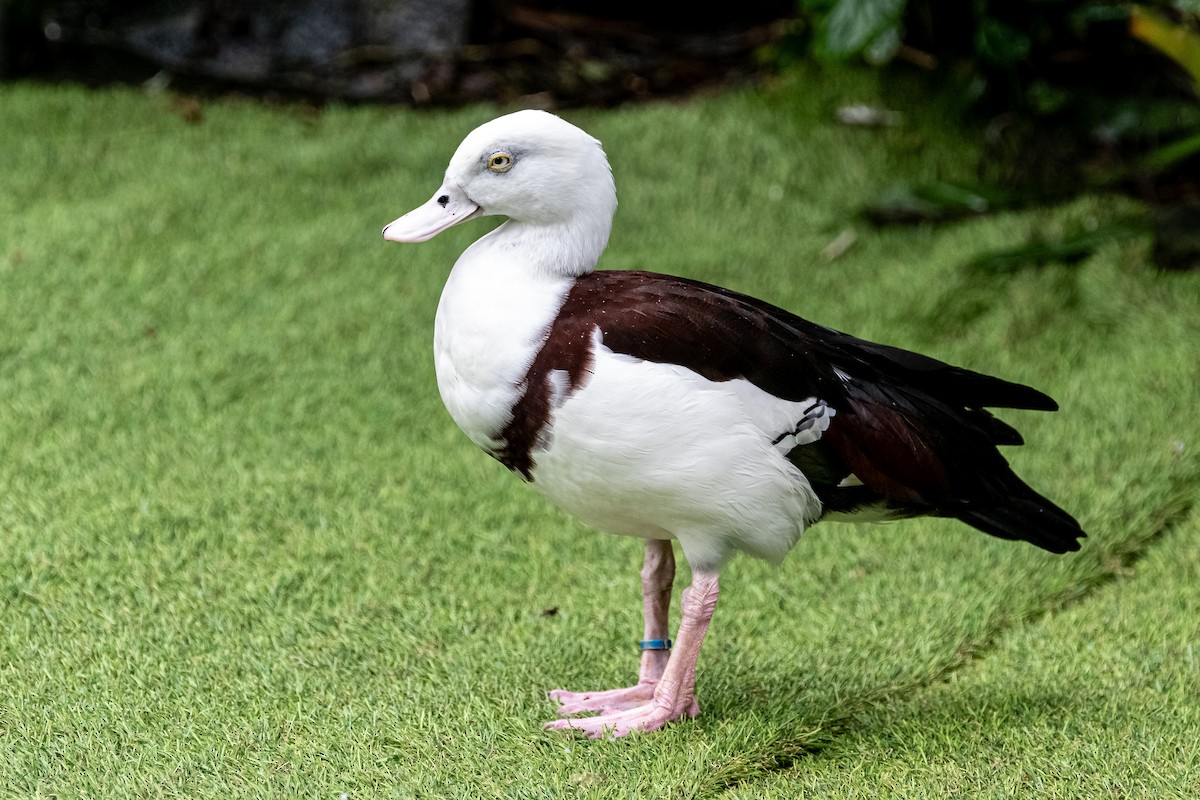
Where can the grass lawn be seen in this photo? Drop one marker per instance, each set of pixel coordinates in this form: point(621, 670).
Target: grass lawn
point(245, 553)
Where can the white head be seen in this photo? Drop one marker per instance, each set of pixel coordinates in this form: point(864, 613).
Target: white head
point(550, 179)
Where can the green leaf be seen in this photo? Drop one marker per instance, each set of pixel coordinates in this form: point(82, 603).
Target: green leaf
point(1167, 156)
point(853, 25)
point(1178, 42)
point(884, 47)
point(905, 203)
point(1000, 43)
point(1068, 248)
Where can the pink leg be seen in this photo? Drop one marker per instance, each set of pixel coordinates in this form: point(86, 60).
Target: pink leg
point(658, 573)
point(674, 694)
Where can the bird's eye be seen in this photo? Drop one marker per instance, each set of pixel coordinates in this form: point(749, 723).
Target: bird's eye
point(500, 162)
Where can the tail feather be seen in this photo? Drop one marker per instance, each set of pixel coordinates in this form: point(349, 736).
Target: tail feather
point(1026, 516)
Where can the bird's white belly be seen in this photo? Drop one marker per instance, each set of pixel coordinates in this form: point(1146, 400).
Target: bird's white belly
point(656, 450)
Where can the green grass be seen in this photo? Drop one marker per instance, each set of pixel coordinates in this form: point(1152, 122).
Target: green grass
point(244, 552)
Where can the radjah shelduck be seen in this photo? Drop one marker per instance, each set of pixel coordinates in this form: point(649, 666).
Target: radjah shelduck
point(668, 409)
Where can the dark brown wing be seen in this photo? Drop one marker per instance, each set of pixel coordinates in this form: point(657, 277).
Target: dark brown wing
point(913, 429)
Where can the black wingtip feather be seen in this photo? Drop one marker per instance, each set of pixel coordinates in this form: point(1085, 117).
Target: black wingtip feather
point(964, 386)
point(977, 389)
point(1030, 518)
point(1006, 394)
point(998, 431)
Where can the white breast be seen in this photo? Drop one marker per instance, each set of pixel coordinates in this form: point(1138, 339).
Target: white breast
point(490, 321)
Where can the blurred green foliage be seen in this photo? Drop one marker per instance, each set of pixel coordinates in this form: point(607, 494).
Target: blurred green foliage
point(1038, 56)
point(1075, 95)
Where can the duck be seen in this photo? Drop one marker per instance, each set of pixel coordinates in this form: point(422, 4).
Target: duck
point(682, 413)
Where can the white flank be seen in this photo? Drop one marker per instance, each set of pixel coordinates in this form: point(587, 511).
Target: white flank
point(654, 450)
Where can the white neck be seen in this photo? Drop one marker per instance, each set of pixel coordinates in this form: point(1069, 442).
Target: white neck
point(561, 249)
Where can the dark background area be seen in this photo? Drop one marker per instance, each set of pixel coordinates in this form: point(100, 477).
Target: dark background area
point(451, 52)
point(1068, 95)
